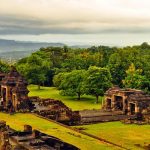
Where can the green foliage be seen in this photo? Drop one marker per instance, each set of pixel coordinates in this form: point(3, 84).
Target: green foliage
point(54, 54)
point(120, 61)
point(58, 79)
point(67, 59)
point(97, 81)
point(35, 69)
point(70, 83)
point(4, 67)
point(134, 78)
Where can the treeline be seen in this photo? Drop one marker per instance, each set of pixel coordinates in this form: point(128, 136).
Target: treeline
point(127, 67)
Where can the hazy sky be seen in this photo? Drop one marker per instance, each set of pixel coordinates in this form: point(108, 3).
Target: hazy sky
point(112, 22)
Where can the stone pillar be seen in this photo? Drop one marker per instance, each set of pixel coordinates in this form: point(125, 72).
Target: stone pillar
point(36, 134)
point(129, 112)
point(8, 95)
point(1, 91)
point(113, 102)
point(137, 110)
point(4, 137)
point(27, 128)
point(125, 107)
point(104, 102)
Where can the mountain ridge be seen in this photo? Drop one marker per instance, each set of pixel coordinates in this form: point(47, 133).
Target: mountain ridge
point(18, 49)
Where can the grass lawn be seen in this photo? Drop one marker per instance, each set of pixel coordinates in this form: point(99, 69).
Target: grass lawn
point(86, 102)
point(83, 142)
point(125, 135)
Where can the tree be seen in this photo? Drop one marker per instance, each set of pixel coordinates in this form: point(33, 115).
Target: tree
point(97, 81)
point(35, 69)
point(55, 55)
point(145, 45)
point(57, 79)
point(134, 78)
point(120, 61)
point(71, 83)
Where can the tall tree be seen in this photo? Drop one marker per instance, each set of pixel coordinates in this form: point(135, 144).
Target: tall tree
point(71, 83)
point(35, 69)
point(57, 79)
point(120, 61)
point(97, 81)
point(134, 78)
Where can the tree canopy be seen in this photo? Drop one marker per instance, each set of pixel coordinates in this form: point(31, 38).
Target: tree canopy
point(35, 69)
point(113, 65)
point(134, 78)
point(71, 83)
point(97, 81)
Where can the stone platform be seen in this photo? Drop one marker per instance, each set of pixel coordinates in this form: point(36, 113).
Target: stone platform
point(93, 116)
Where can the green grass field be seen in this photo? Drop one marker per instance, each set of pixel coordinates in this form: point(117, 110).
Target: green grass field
point(119, 133)
point(83, 142)
point(86, 102)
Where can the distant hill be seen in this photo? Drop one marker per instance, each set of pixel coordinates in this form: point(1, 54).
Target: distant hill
point(10, 49)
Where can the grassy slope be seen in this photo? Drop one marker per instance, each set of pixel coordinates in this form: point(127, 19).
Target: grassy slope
point(86, 102)
point(83, 142)
point(125, 135)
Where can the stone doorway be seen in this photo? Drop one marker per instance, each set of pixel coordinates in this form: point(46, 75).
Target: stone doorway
point(4, 96)
point(119, 103)
point(132, 108)
point(108, 103)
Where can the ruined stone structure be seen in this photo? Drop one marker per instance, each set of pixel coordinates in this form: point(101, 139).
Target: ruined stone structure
point(2, 75)
point(14, 92)
point(29, 140)
point(56, 110)
point(127, 101)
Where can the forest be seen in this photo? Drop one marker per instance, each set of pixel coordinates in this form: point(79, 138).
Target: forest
point(91, 71)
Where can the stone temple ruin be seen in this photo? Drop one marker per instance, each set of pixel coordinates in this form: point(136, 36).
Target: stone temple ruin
point(29, 140)
point(55, 110)
point(127, 105)
point(129, 102)
point(14, 92)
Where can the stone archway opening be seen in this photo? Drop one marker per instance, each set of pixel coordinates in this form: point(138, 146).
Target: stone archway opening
point(119, 102)
point(109, 103)
point(4, 95)
point(132, 108)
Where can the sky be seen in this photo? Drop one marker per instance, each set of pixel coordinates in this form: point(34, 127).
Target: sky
point(73, 22)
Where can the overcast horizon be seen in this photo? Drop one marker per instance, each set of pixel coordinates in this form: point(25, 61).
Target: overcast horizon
point(76, 22)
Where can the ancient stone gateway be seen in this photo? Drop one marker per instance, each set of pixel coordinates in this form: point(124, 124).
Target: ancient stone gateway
point(127, 101)
point(14, 92)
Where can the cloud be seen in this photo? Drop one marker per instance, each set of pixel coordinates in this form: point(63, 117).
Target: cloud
point(74, 16)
